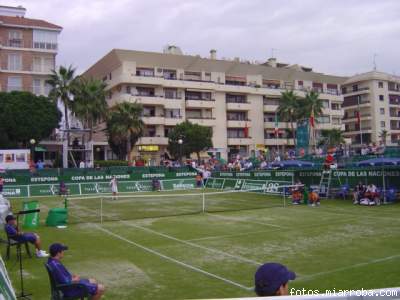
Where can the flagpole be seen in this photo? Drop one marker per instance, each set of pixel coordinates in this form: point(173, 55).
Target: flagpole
point(359, 119)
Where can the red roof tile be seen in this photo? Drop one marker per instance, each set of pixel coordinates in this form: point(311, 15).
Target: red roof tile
point(27, 22)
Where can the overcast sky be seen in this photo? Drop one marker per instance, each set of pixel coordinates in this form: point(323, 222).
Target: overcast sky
point(332, 36)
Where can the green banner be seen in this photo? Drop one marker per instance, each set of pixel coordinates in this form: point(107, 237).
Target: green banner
point(31, 220)
point(302, 137)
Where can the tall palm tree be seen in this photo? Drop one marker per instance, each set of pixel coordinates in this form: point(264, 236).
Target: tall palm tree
point(311, 105)
point(124, 128)
point(383, 135)
point(89, 104)
point(288, 109)
point(62, 81)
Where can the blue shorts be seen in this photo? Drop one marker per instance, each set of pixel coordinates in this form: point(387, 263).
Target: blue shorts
point(75, 292)
point(27, 237)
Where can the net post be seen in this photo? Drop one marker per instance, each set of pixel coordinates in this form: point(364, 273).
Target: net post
point(204, 202)
point(101, 210)
point(284, 197)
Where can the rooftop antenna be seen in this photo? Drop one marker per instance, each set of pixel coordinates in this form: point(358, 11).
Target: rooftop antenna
point(272, 52)
point(374, 61)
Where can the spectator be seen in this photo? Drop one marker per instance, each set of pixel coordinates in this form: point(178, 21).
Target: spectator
point(372, 194)
point(206, 175)
point(272, 279)
point(19, 236)
point(297, 192)
point(82, 164)
point(40, 165)
point(62, 189)
point(1, 184)
point(63, 276)
point(359, 192)
point(199, 180)
point(156, 184)
point(313, 198)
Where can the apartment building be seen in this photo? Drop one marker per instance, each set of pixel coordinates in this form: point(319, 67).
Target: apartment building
point(237, 99)
point(372, 105)
point(28, 49)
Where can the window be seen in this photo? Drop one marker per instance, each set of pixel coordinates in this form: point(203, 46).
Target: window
point(48, 64)
point(382, 111)
point(335, 106)
point(14, 84)
point(36, 89)
point(325, 103)
point(324, 119)
point(15, 38)
point(45, 39)
point(15, 62)
point(355, 88)
point(380, 84)
point(47, 89)
point(383, 125)
point(336, 121)
point(381, 98)
point(173, 113)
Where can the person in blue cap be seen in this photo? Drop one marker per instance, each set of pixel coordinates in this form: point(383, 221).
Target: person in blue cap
point(63, 276)
point(272, 279)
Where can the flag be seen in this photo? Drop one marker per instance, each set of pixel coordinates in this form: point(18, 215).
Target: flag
point(276, 125)
point(246, 130)
point(312, 119)
point(357, 114)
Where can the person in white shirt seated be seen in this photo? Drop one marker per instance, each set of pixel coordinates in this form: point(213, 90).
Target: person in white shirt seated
point(371, 196)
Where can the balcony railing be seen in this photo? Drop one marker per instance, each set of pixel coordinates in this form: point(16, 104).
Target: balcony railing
point(200, 118)
point(199, 99)
point(356, 90)
point(238, 119)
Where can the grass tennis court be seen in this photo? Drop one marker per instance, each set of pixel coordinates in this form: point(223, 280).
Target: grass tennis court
point(143, 250)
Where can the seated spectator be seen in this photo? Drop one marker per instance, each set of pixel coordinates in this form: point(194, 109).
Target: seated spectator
point(63, 276)
point(40, 165)
point(313, 198)
point(372, 194)
point(156, 184)
point(199, 180)
point(263, 165)
point(297, 193)
point(272, 279)
point(19, 236)
point(359, 192)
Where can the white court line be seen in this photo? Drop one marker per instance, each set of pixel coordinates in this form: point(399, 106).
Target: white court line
point(374, 261)
point(240, 258)
point(173, 259)
point(193, 268)
point(245, 221)
point(237, 257)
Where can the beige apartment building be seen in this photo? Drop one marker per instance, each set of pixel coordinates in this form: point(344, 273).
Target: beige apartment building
point(238, 99)
point(28, 49)
point(372, 105)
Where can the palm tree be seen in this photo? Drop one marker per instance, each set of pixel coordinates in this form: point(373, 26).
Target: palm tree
point(124, 128)
point(288, 109)
point(89, 104)
point(383, 135)
point(62, 81)
point(311, 105)
point(334, 137)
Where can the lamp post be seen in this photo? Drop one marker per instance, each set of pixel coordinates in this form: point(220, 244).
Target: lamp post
point(32, 142)
point(180, 142)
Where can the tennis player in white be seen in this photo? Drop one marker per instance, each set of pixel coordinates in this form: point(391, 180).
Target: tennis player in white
point(114, 187)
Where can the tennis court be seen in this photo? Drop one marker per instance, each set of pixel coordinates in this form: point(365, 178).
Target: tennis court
point(194, 245)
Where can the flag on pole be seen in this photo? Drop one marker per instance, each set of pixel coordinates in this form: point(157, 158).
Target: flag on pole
point(246, 130)
point(312, 123)
point(357, 114)
point(276, 125)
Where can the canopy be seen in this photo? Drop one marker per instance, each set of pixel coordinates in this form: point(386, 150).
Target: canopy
point(292, 164)
point(380, 161)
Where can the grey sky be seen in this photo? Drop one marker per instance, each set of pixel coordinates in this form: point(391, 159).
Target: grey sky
point(332, 36)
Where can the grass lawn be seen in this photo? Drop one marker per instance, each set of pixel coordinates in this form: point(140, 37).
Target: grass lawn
point(158, 247)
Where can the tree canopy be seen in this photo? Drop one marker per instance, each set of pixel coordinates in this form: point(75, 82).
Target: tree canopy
point(124, 128)
point(195, 138)
point(24, 116)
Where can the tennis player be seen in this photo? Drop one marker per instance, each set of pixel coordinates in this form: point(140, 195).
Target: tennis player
point(114, 187)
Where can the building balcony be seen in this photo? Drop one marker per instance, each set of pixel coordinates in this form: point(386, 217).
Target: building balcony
point(270, 108)
point(284, 125)
point(153, 120)
point(145, 100)
point(240, 141)
point(238, 106)
point(359, 91)
point(354, 131)
point(352, 119)
point(20, 44)
point(200, 103)
point(154, 140)
point(169, 121)
point(362, 104)
point(395, 128)
point(238, 123)
point(279, 142)
point(394, 102)
point(209, 122)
